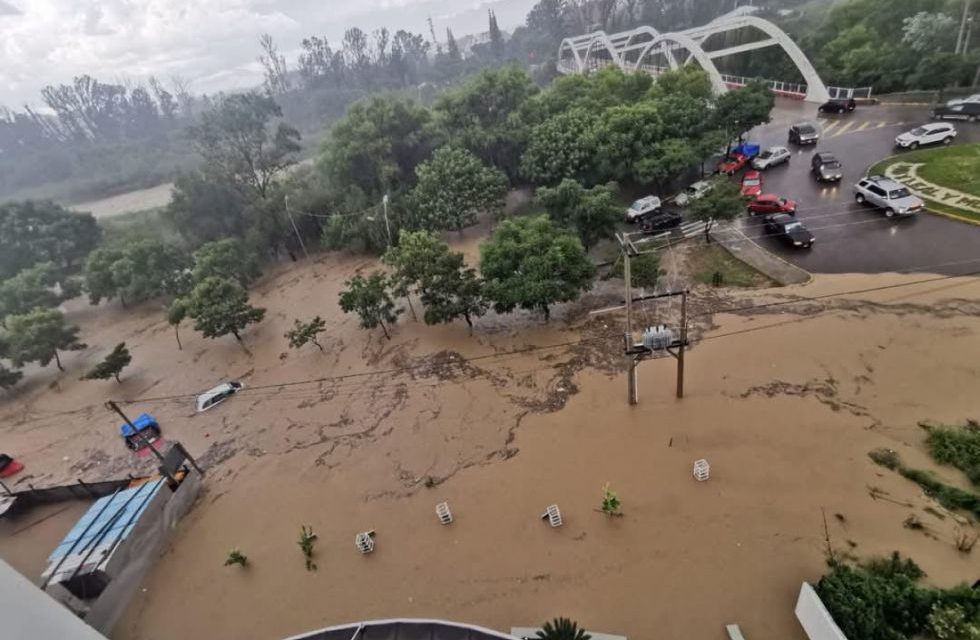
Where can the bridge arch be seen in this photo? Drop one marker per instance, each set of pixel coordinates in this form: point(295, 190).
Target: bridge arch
point(662, 44)
point(601, 41)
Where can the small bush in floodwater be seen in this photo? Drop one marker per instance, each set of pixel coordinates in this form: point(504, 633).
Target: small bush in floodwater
point(610, 502)
point(306, 540)
point(235, 556)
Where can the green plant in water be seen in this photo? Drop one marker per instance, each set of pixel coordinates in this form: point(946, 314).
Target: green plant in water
point(235, 556)
point(610, 502)
point(306, 540)
point(562, 629)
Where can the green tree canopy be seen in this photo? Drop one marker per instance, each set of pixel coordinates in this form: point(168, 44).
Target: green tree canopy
point(377, 145)
point(688, 81)
point(665, 160)
point(560, 147)
point(113, 364)
point(591, 213)
point(738, 111)
point(304, 333)
point(29, 289)
point(624, 135)
point(531, 264)
point(176, 313)
point(33, 232)
point(593, 93)
point(206, 208)
point(454, 187)
point(9, 377)
point(228, 258)
point(723, 202)
point(136, 272)
point(452, 290)
point(370, 298)
point(484, 116)
point(37, 336)
point(239, 143)
point(219, 307)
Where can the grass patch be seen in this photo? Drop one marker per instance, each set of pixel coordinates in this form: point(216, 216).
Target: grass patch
point(644, 270)
point(139, 225)
point(704, 262)
point(957, 447)
point(953, 167)
point(947, 495)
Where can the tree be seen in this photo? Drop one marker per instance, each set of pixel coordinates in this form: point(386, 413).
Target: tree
point(228, 258)
point(452, 290)
point(454, 187)
point(723, 201)
point(531, 264)
point(274, 64)
point(237, 141)
point(371, 300)
point(176, 313)
point(219, 307)
point(546, 17)
point(38, 335)
point(626, 134)
point(205, 207)
point(415, 255)
point(140, 271)
point(591, 213)
point(928, 32)
point(560, 147)
point(29, 289)
point(562, 629)
point(32, 232)
point(686, 81)
point(738, 111)
point(117, 360)
point(665, 161)
point(452, 49)
point(303, 333)
point(9, 377)
point(496, 37)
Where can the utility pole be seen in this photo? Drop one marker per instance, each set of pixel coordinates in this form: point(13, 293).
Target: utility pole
point(680, 348)
point(960, 41)
point(384, 205)
point(112, 406)
point(295, 229)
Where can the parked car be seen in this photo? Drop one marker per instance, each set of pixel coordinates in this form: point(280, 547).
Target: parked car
point(838, 105)
point(751, 184)
point(693, 192)
point(642, 207)
point(771, 203)
point(789, 230)
point(214, 397)
point(771, 157)
point(733, 164)
point(975, 98)
point(890, 195)
point(969, 111)
point(825, 167)
point(660, 221)
point(926, 134)
point(804, 133)
point(147, 431)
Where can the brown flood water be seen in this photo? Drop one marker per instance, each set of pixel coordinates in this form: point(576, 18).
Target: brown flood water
point(784, 404)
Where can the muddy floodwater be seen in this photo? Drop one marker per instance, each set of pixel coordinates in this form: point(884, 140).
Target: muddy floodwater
point(784, 401)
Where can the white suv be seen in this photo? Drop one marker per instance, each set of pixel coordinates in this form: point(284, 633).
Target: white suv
point(890, 195)
point(926, 134)
point(692, 193)
point(642, 207)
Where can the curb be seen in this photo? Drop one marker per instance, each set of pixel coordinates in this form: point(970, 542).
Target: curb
point(745, 238)
point(935, 212)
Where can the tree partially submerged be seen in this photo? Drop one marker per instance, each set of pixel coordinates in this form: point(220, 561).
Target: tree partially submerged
point(370, 298)
point(38, 336)
point(228, 258)
point(31, 288)
point(113, 364)
point(591, 213)
point(531, 264)
point(304, 333)
point(453, 188)
point(176, 313)
point(220, 307)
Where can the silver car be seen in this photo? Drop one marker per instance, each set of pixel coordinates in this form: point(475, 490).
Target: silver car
point(890, 195)
point(770, 158)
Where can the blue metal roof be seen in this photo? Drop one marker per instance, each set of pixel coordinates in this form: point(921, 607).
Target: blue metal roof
point(112, 518)
point(144, 421)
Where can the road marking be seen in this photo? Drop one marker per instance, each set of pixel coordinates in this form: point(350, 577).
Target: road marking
point(842, 130)
point(830, 126)
point(864, 125)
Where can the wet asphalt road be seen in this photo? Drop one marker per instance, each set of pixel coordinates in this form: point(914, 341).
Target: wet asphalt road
point(851, 237)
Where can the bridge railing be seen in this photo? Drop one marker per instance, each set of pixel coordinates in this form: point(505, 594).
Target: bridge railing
point(840, 93)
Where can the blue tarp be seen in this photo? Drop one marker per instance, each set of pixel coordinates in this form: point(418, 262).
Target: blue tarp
point(112, 518)
point(747, 150)
point(143, 422)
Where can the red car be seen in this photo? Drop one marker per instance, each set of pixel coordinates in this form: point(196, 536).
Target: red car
point(752, 184)
point(733, 164)
point(769, 204)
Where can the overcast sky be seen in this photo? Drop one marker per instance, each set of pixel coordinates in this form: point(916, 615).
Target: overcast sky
point(211, 42)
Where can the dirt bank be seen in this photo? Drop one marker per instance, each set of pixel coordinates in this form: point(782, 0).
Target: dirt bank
point(784, 401)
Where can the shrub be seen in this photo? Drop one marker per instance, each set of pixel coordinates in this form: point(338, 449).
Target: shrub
point(957, 447)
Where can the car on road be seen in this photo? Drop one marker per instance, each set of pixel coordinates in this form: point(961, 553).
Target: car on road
point(969, 111)
point(975, 98)
point(660, 221)
point(890, 195)
point(751, 184)
point(733, 164)
point(825, 167)
point(693, 192)
point(643, 207)
point(770, 158)
point(804, 133)
point(213, 397)
point(789, 230)
point(771, 203)
point(926, 134)
point(838, 105)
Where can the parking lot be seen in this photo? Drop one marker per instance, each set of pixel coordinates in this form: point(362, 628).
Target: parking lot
point(851, 237)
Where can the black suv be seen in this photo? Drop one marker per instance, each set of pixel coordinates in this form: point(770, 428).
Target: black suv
point(789, 230)
point(660, 221)
point(969, 111)
point(804, 133)
point(838, 105)
point(825, 167)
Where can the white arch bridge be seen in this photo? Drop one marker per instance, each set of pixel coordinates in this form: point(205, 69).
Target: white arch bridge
point(646, 49)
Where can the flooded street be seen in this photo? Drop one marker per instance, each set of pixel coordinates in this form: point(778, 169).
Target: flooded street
point(784, 401)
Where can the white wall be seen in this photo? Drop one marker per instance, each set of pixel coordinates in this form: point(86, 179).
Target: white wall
point(814, 617)
point(28, 613)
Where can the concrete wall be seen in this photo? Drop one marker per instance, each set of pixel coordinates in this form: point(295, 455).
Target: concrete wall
point(28, 612)
point(814, 617)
